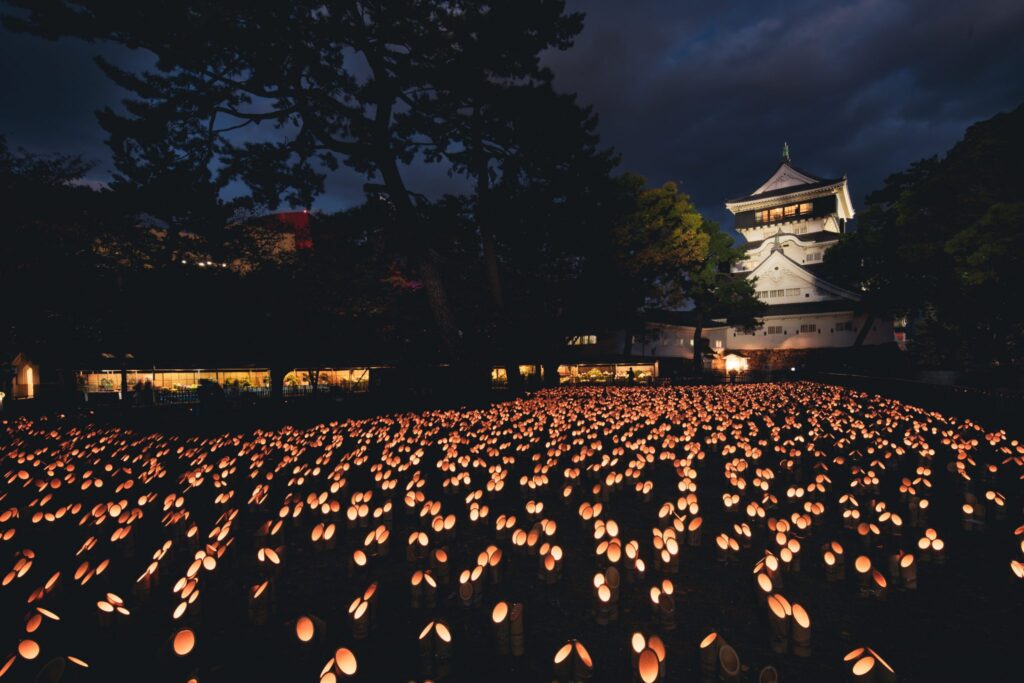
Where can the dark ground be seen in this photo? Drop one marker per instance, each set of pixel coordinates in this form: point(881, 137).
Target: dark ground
point(962, 624)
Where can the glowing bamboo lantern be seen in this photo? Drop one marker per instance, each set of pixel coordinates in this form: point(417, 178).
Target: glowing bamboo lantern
point(801, 631)
point(440, 567)
point(709, 648)
point(423, 590)
point(693, 531)
point(28, 649)
point(905, 570)
point(260, 603)
point(359, 614)
point(573, 663)
point(727, 548)
point(778, 620)
point(183, 642)
point(768, 674)
point(435, 649)
point(341, 666)
point(494, 557)
point(500, 619)
point(663, 605)
point(309, 628)
point(868, 666)
point(550, 569)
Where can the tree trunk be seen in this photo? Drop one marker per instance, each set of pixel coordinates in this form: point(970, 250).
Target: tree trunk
point(417, 242)
point(698, 356)
point(864, 330)
point(551, 373)
point(489, 245)
point(277, 384)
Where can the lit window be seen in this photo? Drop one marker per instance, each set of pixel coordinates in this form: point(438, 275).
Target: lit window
point(718, 343)
point(807, 328)
point(806, 207)
point(775, 214)
point(790, 210)
point(583, 340)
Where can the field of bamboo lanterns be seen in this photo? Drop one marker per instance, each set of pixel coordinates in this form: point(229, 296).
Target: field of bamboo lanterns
point(759, 532)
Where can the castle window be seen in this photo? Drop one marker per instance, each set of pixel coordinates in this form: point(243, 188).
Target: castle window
point(807, 328)
point(793, 292)
point(773, 293)
point(846, 326)
point(775, 214)
point(814, 256)
point(790, 210)
point(775, 329)
point(806, 207)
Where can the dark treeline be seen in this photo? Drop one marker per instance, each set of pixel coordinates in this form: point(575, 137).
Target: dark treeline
point(547, 238)
point(942, 243)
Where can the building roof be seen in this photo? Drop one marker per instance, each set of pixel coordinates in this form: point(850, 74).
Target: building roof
point(680, 318)
point(789, 189)
point(820, 236)
point(807, 307)
point(788, 180)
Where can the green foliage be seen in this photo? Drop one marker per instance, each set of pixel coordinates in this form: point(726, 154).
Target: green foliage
point(658, 241)
point(941, 242)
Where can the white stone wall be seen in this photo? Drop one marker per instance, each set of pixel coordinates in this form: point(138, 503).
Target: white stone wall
point(826, 336)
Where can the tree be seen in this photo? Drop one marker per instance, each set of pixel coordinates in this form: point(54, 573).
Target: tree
point(656, 245)
point(715, 292)
point(367, 84)
point(940, 243)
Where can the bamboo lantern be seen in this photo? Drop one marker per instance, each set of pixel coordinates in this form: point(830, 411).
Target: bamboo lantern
point(440, 567)
point(801, 631)
point(517, 630)
point(341, 666)
point(693, 531)
point(708, 649)
point(260, 603)
point(502, 632)
point(778, 620)
point(728, 663)
point(183, 642)
point(867, 666)
point(573, 663)
point(359, 613)
point(769, 674)
point(309, 628)
point(435, 649)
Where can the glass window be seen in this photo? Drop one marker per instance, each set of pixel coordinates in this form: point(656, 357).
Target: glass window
point(775, 214)
point(775, 329)
point(790, 210)
point(806, 207)
point(808, 328)
point(583, 340)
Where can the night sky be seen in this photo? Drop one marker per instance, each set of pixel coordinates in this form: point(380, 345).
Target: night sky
point(702, 92)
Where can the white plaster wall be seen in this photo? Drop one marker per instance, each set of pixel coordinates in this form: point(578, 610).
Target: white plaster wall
point(826, 337)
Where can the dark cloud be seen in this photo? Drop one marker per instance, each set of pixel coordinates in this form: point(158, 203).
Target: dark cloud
point(706, 93)
point(703, 92)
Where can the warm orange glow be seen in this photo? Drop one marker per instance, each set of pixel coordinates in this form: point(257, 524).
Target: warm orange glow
point(304, 629)
point(184, 642)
